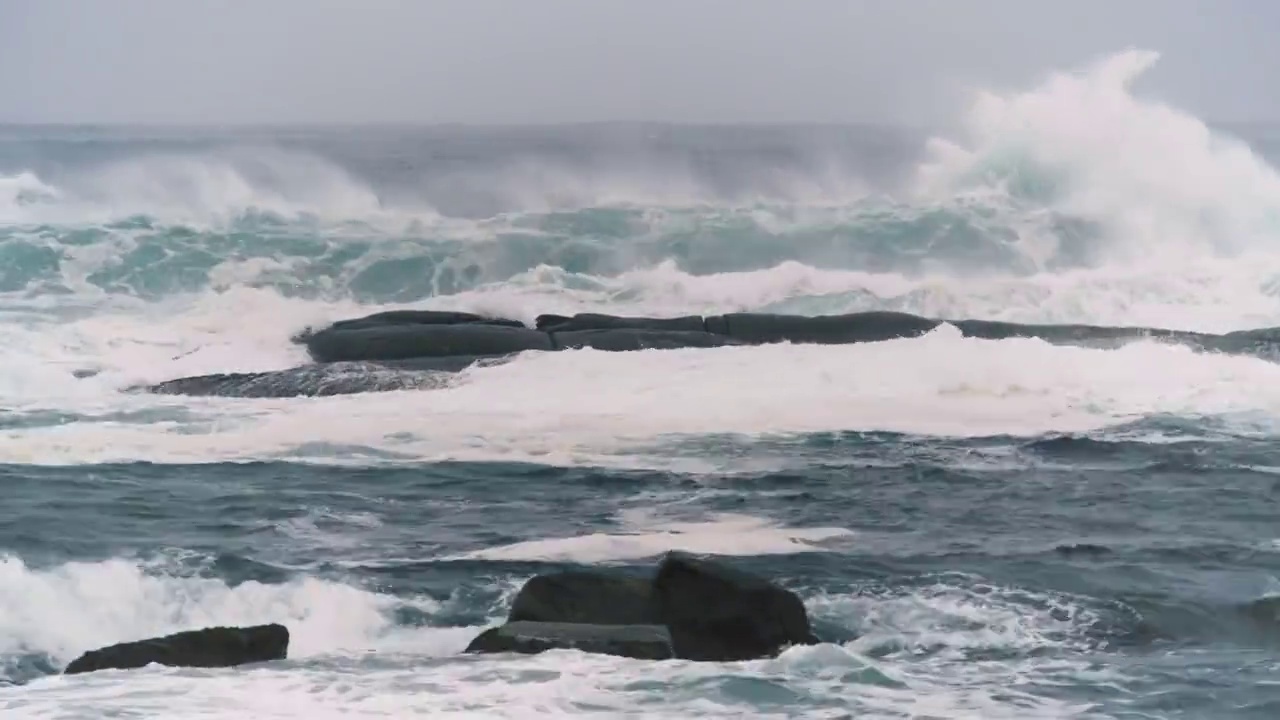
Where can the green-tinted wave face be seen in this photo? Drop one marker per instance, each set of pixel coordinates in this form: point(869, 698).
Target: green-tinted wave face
point(146, 258)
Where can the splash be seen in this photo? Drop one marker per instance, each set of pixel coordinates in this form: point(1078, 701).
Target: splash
point(68, 609)
point(1163, 187)
point(216, 189)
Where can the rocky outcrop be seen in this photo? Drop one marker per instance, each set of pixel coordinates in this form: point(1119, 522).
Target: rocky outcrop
point(453, 341)
point(642, 642)
point(403, 334)
point(624, 340)
point(711, 611)
point(208, 648)
point(402, 342)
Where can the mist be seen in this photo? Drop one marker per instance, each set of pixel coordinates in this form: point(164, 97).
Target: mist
point(512, 62)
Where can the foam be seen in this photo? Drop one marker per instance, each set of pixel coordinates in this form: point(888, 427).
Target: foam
point(588, 407)
point(720, 534)
point(1168, 190)
point(68, 609)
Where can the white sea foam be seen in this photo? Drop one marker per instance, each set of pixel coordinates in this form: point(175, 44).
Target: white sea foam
point(589, 406)
point(67, 609)
point(644, 536)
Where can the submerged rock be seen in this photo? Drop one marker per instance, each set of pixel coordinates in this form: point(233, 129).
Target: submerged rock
point(1090, 550)
point(713, 612)
point(642, 642)
point(210, 647)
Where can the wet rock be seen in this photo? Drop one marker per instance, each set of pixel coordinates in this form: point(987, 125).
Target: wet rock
point(1089, 550)
point(596, 321)
point(712, 611)
point(210, 647)
point(599, 598)
point(632, 340)
point(642, 642)
point(716, 612)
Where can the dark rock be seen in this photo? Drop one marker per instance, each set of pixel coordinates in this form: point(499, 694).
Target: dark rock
point(312, 381)
point(1068, 334)
point(326, 379)
point(594, 321)
point(412, 318)
point(715, 612)
point(642, 642)
point(421, 317)
point(401, 342)
point(597, 598)
point(627, 340)
point(452, 341)
point(712, 611)
point(757, 328)
point(1083, 550)
point(210, 647)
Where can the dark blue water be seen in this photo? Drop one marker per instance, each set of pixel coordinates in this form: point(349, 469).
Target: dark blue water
point(994, 529)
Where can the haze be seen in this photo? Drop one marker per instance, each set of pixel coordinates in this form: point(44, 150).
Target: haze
point(518, 61)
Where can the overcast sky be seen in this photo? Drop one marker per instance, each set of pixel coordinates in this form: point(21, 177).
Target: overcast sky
point(512, 61)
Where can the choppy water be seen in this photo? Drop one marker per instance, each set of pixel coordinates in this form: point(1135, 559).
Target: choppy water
point(994, 529)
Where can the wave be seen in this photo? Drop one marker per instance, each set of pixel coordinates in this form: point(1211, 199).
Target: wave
point(1162, 186)
point(62, 611)
point(1077, 182)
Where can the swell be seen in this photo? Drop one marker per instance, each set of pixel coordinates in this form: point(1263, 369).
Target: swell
point(147, 259)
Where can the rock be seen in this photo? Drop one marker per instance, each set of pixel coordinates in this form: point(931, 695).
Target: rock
point(210, 647)
point(452, 341)
point(326, 379)
point(715, 612)
point(1092, 550)
point(595, 321)
point(712, 611)
point(425, 317)
point(401, 342)
point(758, 328)
point(642, 642)
point(625, 340)
point(598, 598)
point(1094, 335)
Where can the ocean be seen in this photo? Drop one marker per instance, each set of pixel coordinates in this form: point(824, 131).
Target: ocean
point(978, 528)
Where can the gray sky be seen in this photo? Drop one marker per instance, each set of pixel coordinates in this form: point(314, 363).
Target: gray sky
point(513, 61)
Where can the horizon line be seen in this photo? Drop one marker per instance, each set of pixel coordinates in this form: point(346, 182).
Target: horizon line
point(509, 125)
